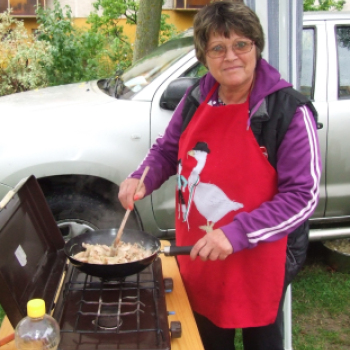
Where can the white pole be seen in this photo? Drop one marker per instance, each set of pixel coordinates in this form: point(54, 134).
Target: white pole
point(287, 311)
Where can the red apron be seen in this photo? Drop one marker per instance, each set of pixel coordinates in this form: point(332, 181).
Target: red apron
point(225, 173)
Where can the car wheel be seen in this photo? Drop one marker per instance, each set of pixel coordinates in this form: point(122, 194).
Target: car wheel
point(79, 213)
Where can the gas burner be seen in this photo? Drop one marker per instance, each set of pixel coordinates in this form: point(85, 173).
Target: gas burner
point(129, 313)
point(109, 318)
point(112, 280)
point(109, 314)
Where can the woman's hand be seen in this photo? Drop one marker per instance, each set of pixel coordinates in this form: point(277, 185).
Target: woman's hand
point(127, 193)
point(214, 245)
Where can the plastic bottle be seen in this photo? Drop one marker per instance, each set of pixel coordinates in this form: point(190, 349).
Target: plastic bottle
point(37, 331)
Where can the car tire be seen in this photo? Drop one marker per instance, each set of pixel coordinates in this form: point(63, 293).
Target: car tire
point(79, 213)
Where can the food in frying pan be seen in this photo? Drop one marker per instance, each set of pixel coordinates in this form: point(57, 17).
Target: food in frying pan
point(106, 255)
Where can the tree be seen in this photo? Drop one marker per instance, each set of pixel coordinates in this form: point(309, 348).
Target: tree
point(152, 27)
point(107, 14)
point(105, 21)
point(323, 5)
point(148, 26)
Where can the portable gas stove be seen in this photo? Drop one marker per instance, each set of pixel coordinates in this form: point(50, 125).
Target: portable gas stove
point(127, 313)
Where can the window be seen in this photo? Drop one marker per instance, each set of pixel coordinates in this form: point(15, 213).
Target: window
point(307, 77)
point(343, 51)
point(144, 71)
point(3, 5)
point(21, 8)
point(197, 71)
point(190, 4)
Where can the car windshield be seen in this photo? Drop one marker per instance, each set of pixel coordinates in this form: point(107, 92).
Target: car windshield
point(144, 71)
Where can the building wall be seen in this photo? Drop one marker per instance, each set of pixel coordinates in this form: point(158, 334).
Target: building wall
point(183, 20)
point(81, 9)
point(30, 24)
point(168, 4)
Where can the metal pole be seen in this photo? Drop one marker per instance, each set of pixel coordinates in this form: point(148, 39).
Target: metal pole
point(287, 310)
point(329, 233)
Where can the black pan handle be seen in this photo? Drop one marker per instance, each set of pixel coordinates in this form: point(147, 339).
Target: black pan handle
point(174, 250)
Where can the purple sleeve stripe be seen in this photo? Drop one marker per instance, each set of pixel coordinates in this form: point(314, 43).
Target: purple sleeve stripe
point(315, 173)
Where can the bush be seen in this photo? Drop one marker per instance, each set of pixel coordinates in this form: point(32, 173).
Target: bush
point(77, 55)
point(323, 5)
point(22, 58)
point(61, 53)
point(167, 31)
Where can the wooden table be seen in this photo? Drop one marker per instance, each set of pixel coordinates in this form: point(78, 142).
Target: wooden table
point(176, 301)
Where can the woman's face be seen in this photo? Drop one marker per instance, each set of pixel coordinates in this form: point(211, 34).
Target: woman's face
point(234, 69)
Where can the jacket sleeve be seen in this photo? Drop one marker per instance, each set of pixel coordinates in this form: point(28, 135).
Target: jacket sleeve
point(162, 157)
point(299, 172)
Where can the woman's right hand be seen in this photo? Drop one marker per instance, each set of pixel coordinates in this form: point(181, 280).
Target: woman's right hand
point(127, 193)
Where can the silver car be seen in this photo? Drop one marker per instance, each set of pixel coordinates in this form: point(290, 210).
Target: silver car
point(82, 140)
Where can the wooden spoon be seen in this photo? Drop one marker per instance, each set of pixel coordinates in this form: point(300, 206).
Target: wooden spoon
point(122, 225)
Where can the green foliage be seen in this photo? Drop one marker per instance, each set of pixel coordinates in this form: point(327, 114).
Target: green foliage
point(107, 14)
point(106, 17)
point(62, 53)
point(104, 22)
point(324, 5)
point(167, 31)
point(2, 314)
point(320, 304)
point(22, 59)
point(77, 54)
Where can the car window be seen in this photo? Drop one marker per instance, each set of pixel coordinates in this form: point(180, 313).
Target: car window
point(343, 51)
point(144, 71)
point(148, 68)
point(197, 71)
point(307, 77)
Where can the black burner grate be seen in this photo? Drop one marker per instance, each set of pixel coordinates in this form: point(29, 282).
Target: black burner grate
point(125, 311)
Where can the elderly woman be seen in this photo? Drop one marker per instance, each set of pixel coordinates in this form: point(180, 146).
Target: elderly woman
point(250, 170)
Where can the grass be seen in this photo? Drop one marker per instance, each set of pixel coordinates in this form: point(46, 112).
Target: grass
point(2, 314)
point(321, 306)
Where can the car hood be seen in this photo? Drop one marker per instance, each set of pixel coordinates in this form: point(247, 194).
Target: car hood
point(86, 93)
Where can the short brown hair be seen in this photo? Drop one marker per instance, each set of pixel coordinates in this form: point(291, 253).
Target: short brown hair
point(223, 18)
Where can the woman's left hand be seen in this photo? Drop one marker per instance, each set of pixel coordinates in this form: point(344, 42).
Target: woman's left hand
point(214, 245)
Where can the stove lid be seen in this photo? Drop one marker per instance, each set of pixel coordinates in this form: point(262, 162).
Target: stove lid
point(32, 259)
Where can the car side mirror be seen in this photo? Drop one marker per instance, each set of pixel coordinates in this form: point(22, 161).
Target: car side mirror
point(175, 91)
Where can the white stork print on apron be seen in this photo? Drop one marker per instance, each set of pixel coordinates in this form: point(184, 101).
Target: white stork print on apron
point(211, 202)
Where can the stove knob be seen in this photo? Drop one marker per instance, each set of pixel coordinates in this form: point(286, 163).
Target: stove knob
point(168, 284)
point(175, 329)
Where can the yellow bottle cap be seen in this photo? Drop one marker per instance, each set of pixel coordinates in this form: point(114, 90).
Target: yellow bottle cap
point(36, 308)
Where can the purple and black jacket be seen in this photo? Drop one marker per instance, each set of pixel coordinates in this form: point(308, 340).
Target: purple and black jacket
point(298, 166)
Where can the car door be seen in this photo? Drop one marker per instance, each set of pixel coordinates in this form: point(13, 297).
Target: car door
point(313, 84)
point(338, 143)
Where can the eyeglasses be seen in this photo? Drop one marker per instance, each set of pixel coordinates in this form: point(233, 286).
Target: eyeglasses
point(239, 47)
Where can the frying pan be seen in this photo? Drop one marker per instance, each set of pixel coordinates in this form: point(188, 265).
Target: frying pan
point(107, 237)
